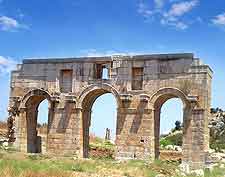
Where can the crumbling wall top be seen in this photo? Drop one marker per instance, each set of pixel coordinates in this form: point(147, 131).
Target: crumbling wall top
point(109, 58)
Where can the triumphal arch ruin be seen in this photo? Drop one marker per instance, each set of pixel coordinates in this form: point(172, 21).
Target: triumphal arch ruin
point(140, 84)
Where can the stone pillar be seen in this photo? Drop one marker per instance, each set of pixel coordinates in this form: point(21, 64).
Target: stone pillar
point(157, 132)
point(21, 130)
point(32, 146)
point(63, 129)
point(86, 121)
point(78, 133)
point(135, 131)
point(125, 148)
point(198, 139)
point(194, 154)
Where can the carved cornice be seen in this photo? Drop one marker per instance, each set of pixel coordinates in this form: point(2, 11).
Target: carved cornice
point(70, 98)
point(126, 97)
point(193, 100)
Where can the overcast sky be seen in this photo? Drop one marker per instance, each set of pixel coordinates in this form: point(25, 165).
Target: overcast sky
point(62, 28)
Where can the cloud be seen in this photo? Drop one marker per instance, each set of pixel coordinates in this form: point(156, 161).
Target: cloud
point(219, 20)
point(173, 15)
point(144, 10)
point(10, 24)
point(6, 65)
point(175, 23)
point(179, 9)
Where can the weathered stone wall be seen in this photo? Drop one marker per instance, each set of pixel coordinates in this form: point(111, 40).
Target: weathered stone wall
point(140, 84)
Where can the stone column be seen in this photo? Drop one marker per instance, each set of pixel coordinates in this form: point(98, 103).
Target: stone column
point(86, 120)
point(62, 133)
point(135, 129)
point(198, 139)
point(194, 154)
point(31, 126)
point(21, 130)
point(156, 132)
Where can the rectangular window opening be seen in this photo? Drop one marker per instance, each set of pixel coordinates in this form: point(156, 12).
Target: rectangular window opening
point(105, 73)
point(101, 71)
point(137, 78)
point(66, 79)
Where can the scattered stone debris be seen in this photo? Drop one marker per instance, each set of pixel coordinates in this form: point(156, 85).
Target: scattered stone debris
point(174, 148)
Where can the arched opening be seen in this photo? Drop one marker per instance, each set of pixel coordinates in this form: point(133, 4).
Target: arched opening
point(42, 124)
point(37, 117)
point(159, 99)
point(104, 117)
point(99, 118)
point(170, 129)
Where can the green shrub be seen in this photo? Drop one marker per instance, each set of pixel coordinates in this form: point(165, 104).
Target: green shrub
point(164, 142)
point(176, 139)
point(172, 139)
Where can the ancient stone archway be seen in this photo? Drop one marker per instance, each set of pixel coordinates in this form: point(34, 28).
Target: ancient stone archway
point(140, 84)
point(33, 143)
point(86, 99)
point(158, 99)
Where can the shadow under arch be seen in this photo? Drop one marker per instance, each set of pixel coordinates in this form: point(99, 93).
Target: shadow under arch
point(86, 101)
point(30, 102)
point(157, 100)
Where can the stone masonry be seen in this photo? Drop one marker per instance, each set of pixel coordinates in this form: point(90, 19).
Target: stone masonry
point(141, 84)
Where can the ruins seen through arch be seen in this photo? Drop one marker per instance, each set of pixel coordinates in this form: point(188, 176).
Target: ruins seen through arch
point(141, 84)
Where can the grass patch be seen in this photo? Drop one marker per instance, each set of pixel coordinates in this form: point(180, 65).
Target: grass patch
point(12, 165)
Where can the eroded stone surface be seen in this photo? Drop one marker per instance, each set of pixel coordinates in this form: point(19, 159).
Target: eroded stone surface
point(141, 85)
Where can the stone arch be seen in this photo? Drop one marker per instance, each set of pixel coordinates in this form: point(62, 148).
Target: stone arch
point(86, 100)
point(34, 92)
point(29, 104)
point(101, 89)
point(163, 94)
point(157, 100)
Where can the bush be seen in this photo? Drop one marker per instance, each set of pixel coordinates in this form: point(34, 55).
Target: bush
point(176, 139)
point(164, 142)
point(172, 139)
